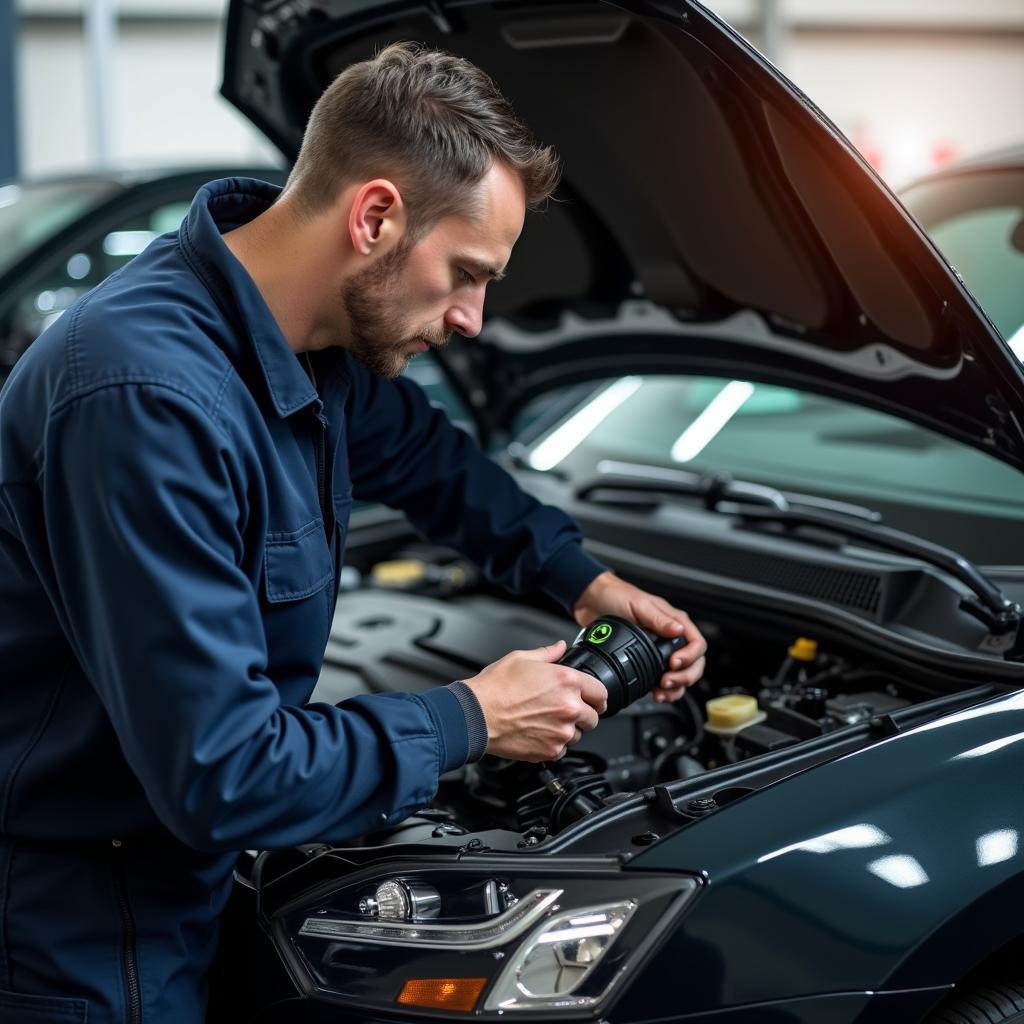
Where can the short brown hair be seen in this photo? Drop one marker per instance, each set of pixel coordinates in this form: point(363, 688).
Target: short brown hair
point(432, 122)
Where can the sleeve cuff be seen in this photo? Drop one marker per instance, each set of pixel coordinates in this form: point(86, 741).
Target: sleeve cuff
point(475, 721)
point(568, 573)
point(451, 725)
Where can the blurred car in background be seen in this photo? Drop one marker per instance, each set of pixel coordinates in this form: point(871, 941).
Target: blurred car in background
point(974, 212)
point(60, 237)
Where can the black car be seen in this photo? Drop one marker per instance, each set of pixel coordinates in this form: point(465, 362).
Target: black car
point(827, 828)
point(61, 236)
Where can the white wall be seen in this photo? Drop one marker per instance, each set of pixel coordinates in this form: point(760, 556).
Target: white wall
point(912, 82)
point(912, 101)
point(166, 108)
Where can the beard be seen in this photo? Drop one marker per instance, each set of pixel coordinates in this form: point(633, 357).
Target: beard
point(372, 298)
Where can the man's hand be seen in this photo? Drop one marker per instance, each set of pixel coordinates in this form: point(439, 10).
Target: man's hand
point(608, 595)
point(533, 708)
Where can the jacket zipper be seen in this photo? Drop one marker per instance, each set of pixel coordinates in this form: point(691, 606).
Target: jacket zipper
point(129, 959)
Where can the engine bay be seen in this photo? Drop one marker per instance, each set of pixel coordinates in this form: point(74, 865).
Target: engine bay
point(423, 620)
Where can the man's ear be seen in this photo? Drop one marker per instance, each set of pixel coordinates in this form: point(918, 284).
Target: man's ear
point(376, 218)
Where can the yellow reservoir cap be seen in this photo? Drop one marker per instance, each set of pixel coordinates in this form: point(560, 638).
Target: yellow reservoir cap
point(804, 649)
point(402, 572)
point(733, 712)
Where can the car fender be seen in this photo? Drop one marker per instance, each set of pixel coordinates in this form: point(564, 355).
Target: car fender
point(897, 866)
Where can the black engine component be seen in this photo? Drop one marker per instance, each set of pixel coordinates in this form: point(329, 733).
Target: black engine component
point(547, 796)
point(628, 659)
point(385, 642)
point(626, 753)
point(633, 742)
point(570, 791)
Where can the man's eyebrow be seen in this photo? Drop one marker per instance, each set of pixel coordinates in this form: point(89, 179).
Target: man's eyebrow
point(477, 267)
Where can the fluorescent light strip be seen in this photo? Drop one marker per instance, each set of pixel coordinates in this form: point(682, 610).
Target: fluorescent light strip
point(704, 429)
point(567, 437)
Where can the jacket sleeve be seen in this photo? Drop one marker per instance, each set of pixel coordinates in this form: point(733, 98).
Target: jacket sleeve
point(147, 556)
point(407, 454)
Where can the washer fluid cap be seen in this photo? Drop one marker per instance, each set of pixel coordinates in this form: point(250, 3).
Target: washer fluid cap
point(729, 714)
point(402, 572)
point(804, 649)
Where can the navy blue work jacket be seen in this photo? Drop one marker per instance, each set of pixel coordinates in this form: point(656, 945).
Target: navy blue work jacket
point(175, 492)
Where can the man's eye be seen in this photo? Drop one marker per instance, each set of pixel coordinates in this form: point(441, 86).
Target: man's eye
point(466, 276)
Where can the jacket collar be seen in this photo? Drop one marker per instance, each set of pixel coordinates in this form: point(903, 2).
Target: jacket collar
point(218, 207)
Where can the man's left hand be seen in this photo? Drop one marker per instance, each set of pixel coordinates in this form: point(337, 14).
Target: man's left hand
point(608, 595)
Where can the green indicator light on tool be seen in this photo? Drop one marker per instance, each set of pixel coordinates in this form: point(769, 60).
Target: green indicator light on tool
point(599, 633)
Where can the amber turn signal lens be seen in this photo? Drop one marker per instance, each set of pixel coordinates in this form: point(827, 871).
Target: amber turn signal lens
point(442, 993)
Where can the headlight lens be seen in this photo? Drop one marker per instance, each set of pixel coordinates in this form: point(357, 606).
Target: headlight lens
point(556, 959)
point(496, 936)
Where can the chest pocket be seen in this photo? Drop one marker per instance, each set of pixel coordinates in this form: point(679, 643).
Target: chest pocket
point(297, 564)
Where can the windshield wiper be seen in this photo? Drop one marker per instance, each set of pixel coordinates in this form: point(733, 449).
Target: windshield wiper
point(719, 491)
point(755, 502)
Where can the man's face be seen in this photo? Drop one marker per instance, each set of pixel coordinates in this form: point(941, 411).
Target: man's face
point(414, 296)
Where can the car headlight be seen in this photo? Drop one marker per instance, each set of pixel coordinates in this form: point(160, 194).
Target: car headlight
point(485, 936)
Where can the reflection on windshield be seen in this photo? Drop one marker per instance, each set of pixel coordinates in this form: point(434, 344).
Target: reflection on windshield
point(795, 441)
point(565, 438)
point(32, 213)
point(704, 429)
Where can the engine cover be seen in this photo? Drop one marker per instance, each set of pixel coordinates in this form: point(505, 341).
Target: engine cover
point(386, 642)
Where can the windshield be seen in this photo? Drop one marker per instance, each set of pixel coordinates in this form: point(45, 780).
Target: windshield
point(920, 481)
point(30, 214)
point(977, 220)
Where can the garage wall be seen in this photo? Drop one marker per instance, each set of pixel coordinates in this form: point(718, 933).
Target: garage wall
point(914, 83)
point(166, 107)
point(913, 100)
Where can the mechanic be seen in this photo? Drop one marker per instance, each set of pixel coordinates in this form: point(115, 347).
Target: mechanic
point(178, 458)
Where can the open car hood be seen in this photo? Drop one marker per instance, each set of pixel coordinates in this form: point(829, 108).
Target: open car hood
point(711, 219)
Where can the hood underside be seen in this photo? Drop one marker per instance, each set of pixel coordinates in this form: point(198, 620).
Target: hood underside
point(710, 217)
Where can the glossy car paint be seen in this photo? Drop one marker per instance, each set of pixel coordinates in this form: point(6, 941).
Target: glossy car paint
point(886, 870)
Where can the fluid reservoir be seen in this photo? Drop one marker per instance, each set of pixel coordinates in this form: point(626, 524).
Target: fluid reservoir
point(728, 715)
point(800, 658)
point(804, 649)
point(399, 574)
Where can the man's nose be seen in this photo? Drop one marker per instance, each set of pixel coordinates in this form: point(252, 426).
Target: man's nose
point(467, 317)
